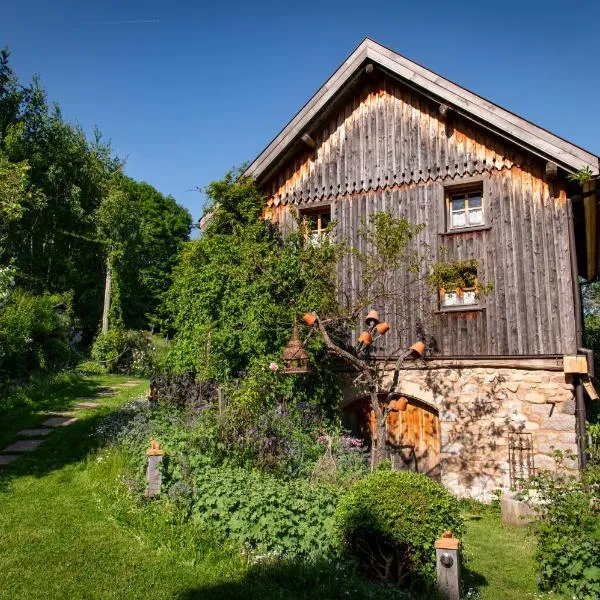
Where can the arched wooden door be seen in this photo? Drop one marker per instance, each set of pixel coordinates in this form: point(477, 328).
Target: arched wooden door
point(413, 434)
point(413, 437)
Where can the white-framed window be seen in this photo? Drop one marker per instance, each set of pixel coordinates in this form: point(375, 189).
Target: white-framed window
point(465, 209)
point(316, 224)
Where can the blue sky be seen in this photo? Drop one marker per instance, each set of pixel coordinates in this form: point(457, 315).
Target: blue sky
point(186, 92)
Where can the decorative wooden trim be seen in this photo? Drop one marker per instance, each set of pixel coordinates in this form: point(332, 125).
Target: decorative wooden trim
point(313, 207)
point(459, 309)
point(459, 230)
point(464, 181)
point(529, 362)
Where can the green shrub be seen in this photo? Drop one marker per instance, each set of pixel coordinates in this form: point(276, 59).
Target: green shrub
point(34, 333)
point(389, 522)
point(108, 348)
point(128, 352)
point(258, 510)
point(91, 367)
point(262, 512)
point(568, 530)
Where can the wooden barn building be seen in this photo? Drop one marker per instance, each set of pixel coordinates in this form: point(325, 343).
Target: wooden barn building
point(505, 379)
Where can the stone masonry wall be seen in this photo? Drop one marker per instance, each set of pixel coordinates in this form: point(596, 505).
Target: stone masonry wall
point(479, 407)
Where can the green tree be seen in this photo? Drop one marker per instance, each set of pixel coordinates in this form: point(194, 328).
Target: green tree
point(58, 192)
point(237, 289)
point(147, 270)
point(117, 227)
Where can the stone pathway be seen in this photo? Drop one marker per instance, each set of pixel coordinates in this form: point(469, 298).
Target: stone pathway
point(56, 419)
point(33, 432)
point(59, 421)
point(23, 446)
point(60, 413)
point(83, 405)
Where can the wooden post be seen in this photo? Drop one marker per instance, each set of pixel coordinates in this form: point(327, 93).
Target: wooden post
point(222, 401)
point(447, 564)
point(107, 292)
point(153, 474)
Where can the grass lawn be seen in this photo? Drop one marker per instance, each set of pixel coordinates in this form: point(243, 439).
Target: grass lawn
point(68, 531)
point(55, 539)
point(499, 560)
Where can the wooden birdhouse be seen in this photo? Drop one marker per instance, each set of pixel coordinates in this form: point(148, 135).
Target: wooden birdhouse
point(295, 357)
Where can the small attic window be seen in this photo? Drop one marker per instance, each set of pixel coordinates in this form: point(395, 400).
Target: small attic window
point(465, 209)
point(316, 223)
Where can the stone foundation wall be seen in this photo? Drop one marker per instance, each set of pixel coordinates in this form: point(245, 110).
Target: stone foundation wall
point(478, 409)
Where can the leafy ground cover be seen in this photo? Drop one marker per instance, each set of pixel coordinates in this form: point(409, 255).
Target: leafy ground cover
point(69, 528)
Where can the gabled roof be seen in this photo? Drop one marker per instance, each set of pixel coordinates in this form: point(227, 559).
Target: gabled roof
point(487, 114)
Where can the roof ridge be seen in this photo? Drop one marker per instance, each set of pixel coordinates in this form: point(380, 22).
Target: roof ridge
point(469, 104)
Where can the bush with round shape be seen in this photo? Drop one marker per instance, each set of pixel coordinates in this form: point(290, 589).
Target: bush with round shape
point(128, 352)
point(389, 522)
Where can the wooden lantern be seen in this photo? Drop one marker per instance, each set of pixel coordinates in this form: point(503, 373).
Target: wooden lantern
point(295, 357)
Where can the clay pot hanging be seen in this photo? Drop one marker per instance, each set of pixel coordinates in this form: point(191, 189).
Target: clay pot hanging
point(382, 328)
point(365, 338)
point(418, 348)
point(401, 403)
point(372, 318)
point(310, 319)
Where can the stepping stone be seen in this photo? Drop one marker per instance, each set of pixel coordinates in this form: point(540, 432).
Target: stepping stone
point(23, 446)
point(60, 413)
point(129, 384)
point(6, 459)
point(33, 432)
point(81, 405)
point(58, 422)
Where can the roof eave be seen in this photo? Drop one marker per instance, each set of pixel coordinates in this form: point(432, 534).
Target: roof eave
point(518, 130)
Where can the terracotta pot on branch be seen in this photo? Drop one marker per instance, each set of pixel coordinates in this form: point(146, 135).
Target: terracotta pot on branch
point(417, 349)
point(382, 328)
point(402, 403)
point(372, 318)
point(365, 338)
point(310, 319)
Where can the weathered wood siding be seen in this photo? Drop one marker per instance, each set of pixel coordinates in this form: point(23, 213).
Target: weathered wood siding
point(390, 150)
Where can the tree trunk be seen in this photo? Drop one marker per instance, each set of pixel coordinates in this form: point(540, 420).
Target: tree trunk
point(378, 443)
point(107, 289)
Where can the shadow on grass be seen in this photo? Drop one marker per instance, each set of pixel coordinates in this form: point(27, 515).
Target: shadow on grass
point(64, 445)
point(320, 580)
point(295, 579)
